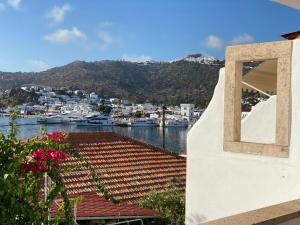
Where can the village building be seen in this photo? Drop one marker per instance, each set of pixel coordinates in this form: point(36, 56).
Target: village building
point(187, 111)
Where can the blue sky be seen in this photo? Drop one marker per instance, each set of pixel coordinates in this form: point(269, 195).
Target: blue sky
point(39, 34)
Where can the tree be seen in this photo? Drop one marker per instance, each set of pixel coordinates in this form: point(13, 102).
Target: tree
point(104, 108)
point(170, 202)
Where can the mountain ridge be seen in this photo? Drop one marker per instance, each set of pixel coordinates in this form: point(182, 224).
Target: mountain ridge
point(191, 79)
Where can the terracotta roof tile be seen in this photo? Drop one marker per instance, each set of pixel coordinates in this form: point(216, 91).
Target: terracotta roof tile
point(128, 168)
point(94, 206)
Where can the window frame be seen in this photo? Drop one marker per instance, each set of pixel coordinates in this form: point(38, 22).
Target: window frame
point(235, 57)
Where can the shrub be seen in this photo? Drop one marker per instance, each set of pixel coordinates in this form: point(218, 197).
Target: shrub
point(170, 203)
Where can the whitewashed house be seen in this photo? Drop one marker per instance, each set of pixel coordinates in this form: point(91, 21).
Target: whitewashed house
point(247, 171)
point(148, 108)
point(93, 96)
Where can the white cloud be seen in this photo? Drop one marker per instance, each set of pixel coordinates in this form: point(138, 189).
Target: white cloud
point(105, 38)
point(136, 58)
point(242, 39)
point(214, 42)
point(14, 3)
point(39, 64)
point(65, 35)
point(57, 14)
point(2, 6)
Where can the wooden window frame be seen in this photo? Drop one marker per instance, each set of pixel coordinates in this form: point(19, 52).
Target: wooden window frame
point(235, 57)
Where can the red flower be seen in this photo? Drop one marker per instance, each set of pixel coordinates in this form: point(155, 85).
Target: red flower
point(39, 154)
point(35, 167)
point(41, 159)
point(26, 166)
point(56, 137)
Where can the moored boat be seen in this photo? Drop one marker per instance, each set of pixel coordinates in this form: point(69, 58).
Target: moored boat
point(51, 119)
point(98, 121)
point(143, 123)
point(176, 123)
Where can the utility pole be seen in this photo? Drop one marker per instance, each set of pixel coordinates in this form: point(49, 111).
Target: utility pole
point(163, 125)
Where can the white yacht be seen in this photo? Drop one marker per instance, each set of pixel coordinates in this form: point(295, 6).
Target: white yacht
point(143, 123)
point(175, 123)
point(51, 119)
point(98, 121)
point(73, 119)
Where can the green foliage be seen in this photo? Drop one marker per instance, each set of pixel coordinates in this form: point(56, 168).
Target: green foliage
point(20, 195)
point(170, 202)
point(104, 108)
point(137, 114)
point(22, 181)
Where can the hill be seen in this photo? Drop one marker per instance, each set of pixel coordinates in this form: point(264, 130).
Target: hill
point(191, 79)
point(18, 96)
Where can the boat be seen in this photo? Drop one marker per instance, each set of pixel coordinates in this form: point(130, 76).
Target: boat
point(51, 119)
point(75, 119)
point(143, 123)
point(98, 121)
point(176, 123)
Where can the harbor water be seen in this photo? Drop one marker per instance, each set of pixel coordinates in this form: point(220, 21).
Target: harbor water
point(175, 137)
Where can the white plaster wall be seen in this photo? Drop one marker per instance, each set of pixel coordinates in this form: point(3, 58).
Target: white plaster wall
point(260, 124)
point(221, 184)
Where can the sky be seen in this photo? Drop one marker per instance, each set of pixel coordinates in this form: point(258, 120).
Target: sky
point(37, 34)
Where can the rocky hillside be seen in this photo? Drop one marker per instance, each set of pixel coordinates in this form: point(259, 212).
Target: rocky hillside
point(17, 96)
point(191, 79)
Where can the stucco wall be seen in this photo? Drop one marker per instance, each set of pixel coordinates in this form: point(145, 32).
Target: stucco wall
point(221, 184)
point(260, 125)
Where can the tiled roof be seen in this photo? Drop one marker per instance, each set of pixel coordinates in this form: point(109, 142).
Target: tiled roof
point(128, 168)
point(94, 206)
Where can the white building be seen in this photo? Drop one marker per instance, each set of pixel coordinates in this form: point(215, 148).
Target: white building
point(114, 100)
point(148, 108)
point(93, 96)
point(48, 89)
point(24, 88)
point(125, 102)
point(235, 166)
point(126, 110)
point(187, 111)
point(34, 88)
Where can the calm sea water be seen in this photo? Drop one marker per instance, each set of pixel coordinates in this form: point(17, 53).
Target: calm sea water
point(175, 137)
